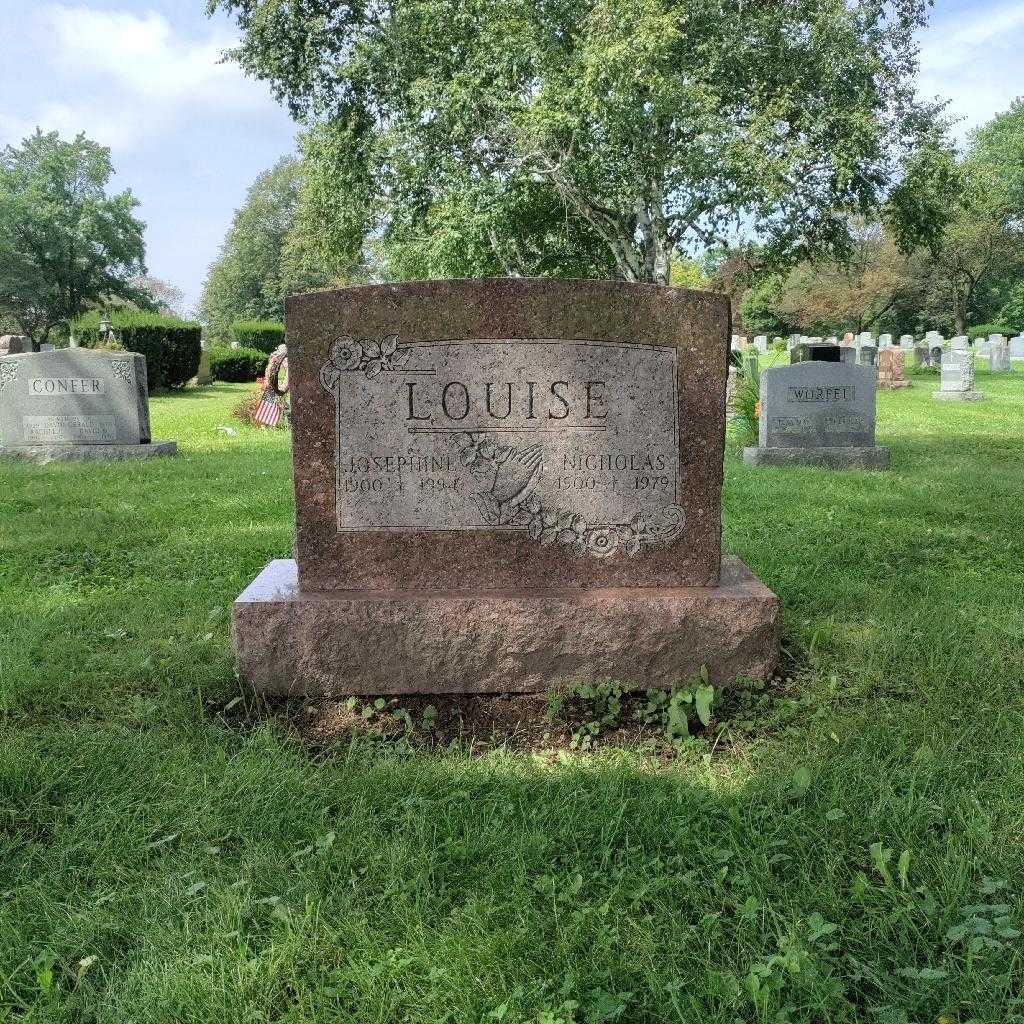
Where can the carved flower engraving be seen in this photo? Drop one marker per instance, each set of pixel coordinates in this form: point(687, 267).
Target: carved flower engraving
point(8, 374)
point(371, 355)
point(122, 370)
point(507, 477)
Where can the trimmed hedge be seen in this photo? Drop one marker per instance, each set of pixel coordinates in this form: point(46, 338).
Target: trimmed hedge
point(262, 335)
point(237, 365)
point(983, 331)
point(171, 346)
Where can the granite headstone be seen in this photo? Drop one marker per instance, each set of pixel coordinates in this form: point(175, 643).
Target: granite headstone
point(76, 404)
point(892, 369)
point(818, 414)
point(957, 381)
point(503, 485)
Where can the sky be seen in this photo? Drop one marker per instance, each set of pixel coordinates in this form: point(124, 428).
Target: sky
point(188, 133)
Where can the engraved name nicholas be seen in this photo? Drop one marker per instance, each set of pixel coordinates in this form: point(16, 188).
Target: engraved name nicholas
point(54, 387)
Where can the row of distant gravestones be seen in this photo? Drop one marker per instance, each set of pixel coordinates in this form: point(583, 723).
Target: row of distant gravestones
point(907, 342)
point(820, 410)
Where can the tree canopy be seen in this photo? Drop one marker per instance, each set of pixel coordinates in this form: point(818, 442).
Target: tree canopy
point(64, 242)
point(259, 263)
point(592, 136)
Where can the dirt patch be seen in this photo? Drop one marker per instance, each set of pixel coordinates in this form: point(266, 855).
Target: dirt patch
point(538, 723)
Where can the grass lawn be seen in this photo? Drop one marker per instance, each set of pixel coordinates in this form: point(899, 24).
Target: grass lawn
point(848, 849)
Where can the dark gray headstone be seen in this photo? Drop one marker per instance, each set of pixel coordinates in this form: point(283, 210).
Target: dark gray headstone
point(868, 355)
point(935, 356)
point(822, 353)
point(73, 396)
point(818, 414)
point(817, 405)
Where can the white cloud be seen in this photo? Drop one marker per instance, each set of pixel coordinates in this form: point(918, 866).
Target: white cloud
point(144, 57)
point(124, 78)
point(971, 58)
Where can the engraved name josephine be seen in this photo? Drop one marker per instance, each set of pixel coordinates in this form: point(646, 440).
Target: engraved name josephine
point(571, 441)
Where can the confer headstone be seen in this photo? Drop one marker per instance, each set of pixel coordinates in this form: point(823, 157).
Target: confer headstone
point(76, 403)
point(957, 381)
point(818, 414)
point(502, 486)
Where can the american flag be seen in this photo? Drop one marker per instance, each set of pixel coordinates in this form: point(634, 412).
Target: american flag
point(268, 412)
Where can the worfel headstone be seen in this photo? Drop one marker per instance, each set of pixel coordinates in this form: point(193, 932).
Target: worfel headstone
point(502, 485)
point(818, 414)
point(76, 404)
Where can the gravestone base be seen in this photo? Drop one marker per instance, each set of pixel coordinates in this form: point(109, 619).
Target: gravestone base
point(44, 453)
point(861, 457)
point(361, 642)
point(958, 396)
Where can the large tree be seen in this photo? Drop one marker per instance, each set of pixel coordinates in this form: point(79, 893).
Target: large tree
point(658, 127)
point(863, 292)
point(999, 144)
point(64, 242)
point(258, 265)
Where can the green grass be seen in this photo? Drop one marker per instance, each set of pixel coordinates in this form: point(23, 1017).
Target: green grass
point(838, 860)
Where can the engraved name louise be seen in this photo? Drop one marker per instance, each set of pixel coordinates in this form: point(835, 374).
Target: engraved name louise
point(573, 442)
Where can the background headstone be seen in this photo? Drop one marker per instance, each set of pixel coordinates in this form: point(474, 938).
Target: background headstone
point(922, 357)
point(999, 358)
point(935, 356)
point(868, 355)
point(203, 374)
point(1017, 347)
point(906, 341)
point(957, 380)
point(816, 350)
point(15, 344)
point(892, 369)
point(884, 340)
point(76, 403)
point(818, 413)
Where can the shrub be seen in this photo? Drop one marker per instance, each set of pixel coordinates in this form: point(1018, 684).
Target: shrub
point(1011, 316)
point(262, 335)
point(171, 346)
point(748, 395)
point(237, 365)
point(984, 330)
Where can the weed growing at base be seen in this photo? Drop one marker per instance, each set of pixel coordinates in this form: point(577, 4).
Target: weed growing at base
point(852, 853)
